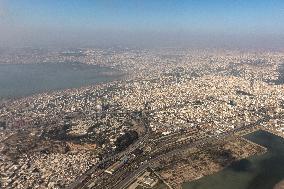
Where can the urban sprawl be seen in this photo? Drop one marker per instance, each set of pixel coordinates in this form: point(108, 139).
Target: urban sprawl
point(131, 133)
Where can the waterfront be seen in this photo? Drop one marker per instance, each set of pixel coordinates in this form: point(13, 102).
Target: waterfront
point(173, 103)
point(257, 172)
point(18, 80)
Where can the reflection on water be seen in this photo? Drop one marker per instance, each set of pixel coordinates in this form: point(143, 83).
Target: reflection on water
point(258, 172)
point(20, 80)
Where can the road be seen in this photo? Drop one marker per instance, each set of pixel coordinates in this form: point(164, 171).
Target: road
point(179, 149)
point(123, 184)
point(86, 179)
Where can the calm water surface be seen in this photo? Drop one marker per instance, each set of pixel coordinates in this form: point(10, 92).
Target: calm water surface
point(17, 80)
point(258, 172)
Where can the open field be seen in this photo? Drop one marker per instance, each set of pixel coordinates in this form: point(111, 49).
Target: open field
point(199, 162)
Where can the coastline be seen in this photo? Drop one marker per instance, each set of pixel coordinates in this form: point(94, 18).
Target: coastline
point(264, 150)
point(212, 159)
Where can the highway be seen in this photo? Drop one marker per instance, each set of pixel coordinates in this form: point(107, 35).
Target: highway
point(80, 180)
point(123, 184)
point(88, 180)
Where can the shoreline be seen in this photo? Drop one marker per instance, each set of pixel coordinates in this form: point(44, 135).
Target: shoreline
point(113, 76)
point(264, 150)
point(188, 168)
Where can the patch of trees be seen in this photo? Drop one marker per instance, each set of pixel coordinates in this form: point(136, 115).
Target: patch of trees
point(239, 92)
point(60, 133)
point(3, 124)
point(125, 140)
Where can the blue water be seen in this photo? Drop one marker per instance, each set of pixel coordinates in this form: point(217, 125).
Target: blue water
point(18, 80)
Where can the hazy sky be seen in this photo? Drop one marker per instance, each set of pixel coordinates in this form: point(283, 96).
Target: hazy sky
point(200, 23)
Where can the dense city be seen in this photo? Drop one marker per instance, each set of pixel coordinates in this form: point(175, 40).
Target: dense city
point(138, 131)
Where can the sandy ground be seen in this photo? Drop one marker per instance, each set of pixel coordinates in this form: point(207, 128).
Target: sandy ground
point(204, 161)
